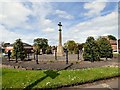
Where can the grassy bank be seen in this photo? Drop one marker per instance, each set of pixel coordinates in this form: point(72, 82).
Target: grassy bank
point(12, 78)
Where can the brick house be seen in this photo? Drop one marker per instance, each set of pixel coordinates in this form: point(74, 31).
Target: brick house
point(112, 42)
point(114, 45)
point(119, 45)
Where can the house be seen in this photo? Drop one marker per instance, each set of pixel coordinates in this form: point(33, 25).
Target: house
point(114, 45)
point(27, 47)
point(9, 47)
point(112, 42)
point(119, 45)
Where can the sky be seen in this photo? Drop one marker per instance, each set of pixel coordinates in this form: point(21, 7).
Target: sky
point(30, 20)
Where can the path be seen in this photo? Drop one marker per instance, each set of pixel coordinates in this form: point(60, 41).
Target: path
point(109, 84)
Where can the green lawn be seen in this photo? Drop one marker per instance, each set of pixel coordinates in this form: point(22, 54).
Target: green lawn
point(12, 78)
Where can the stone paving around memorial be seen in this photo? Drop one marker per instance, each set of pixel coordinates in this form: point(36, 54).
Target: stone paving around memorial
point(47, 62)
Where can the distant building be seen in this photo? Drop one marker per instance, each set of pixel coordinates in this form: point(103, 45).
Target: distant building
point(27, 47)
point(114, 45)
point(112, 42)
point(119, 45)
point(9, 47)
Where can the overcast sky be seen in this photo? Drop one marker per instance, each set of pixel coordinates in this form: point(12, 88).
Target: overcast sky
point(30, 20)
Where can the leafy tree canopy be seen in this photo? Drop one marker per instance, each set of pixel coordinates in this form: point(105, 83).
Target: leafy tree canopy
point(40, 43)
point(18, 49)
point(111, 37)
point(91, 50)
point(105, 48)
point(70, 45)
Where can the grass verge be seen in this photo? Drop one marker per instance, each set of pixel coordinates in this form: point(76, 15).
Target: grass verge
point(12, 78)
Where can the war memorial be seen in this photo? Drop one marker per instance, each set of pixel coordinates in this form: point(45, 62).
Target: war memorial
point(59, 60)
point(92, 65)
point(55, 63)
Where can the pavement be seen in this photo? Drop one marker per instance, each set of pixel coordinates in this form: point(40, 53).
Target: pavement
point(47, 62)
point(109, 84)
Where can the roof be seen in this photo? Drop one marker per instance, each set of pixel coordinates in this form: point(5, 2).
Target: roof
point(24, 44)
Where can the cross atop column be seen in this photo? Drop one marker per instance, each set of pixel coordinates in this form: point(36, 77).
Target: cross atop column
point(60, 25)
point(60, 33)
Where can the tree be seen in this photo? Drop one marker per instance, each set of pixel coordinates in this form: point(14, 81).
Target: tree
point(91, 50)
point(76, 50)
point(41, 43)
point(80, 46)
point(105, 48)
point(111, 37)
point(49, 50)
point(18, 50)
point(70, 45)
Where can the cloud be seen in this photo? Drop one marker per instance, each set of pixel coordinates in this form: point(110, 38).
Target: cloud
point(98, 26)
point(13, 14)
point(6, 35)
point(17, 16)
point(48, 30)
point(63, 14)
point(110, 20)
point(9, 36)
point(94, 8)
point(41, 11)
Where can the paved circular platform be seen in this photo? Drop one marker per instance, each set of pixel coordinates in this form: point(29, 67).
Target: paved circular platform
point(47, 63)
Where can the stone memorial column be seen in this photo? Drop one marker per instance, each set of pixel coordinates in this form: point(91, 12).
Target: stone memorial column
point(60, 51)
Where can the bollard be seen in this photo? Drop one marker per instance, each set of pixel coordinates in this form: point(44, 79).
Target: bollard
point(16, 57)
point(34, 56)
point(37, 57)
point(66, 56)
point(9, 54)
point(55, 54)
point(28, 55)
point(78, 55)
